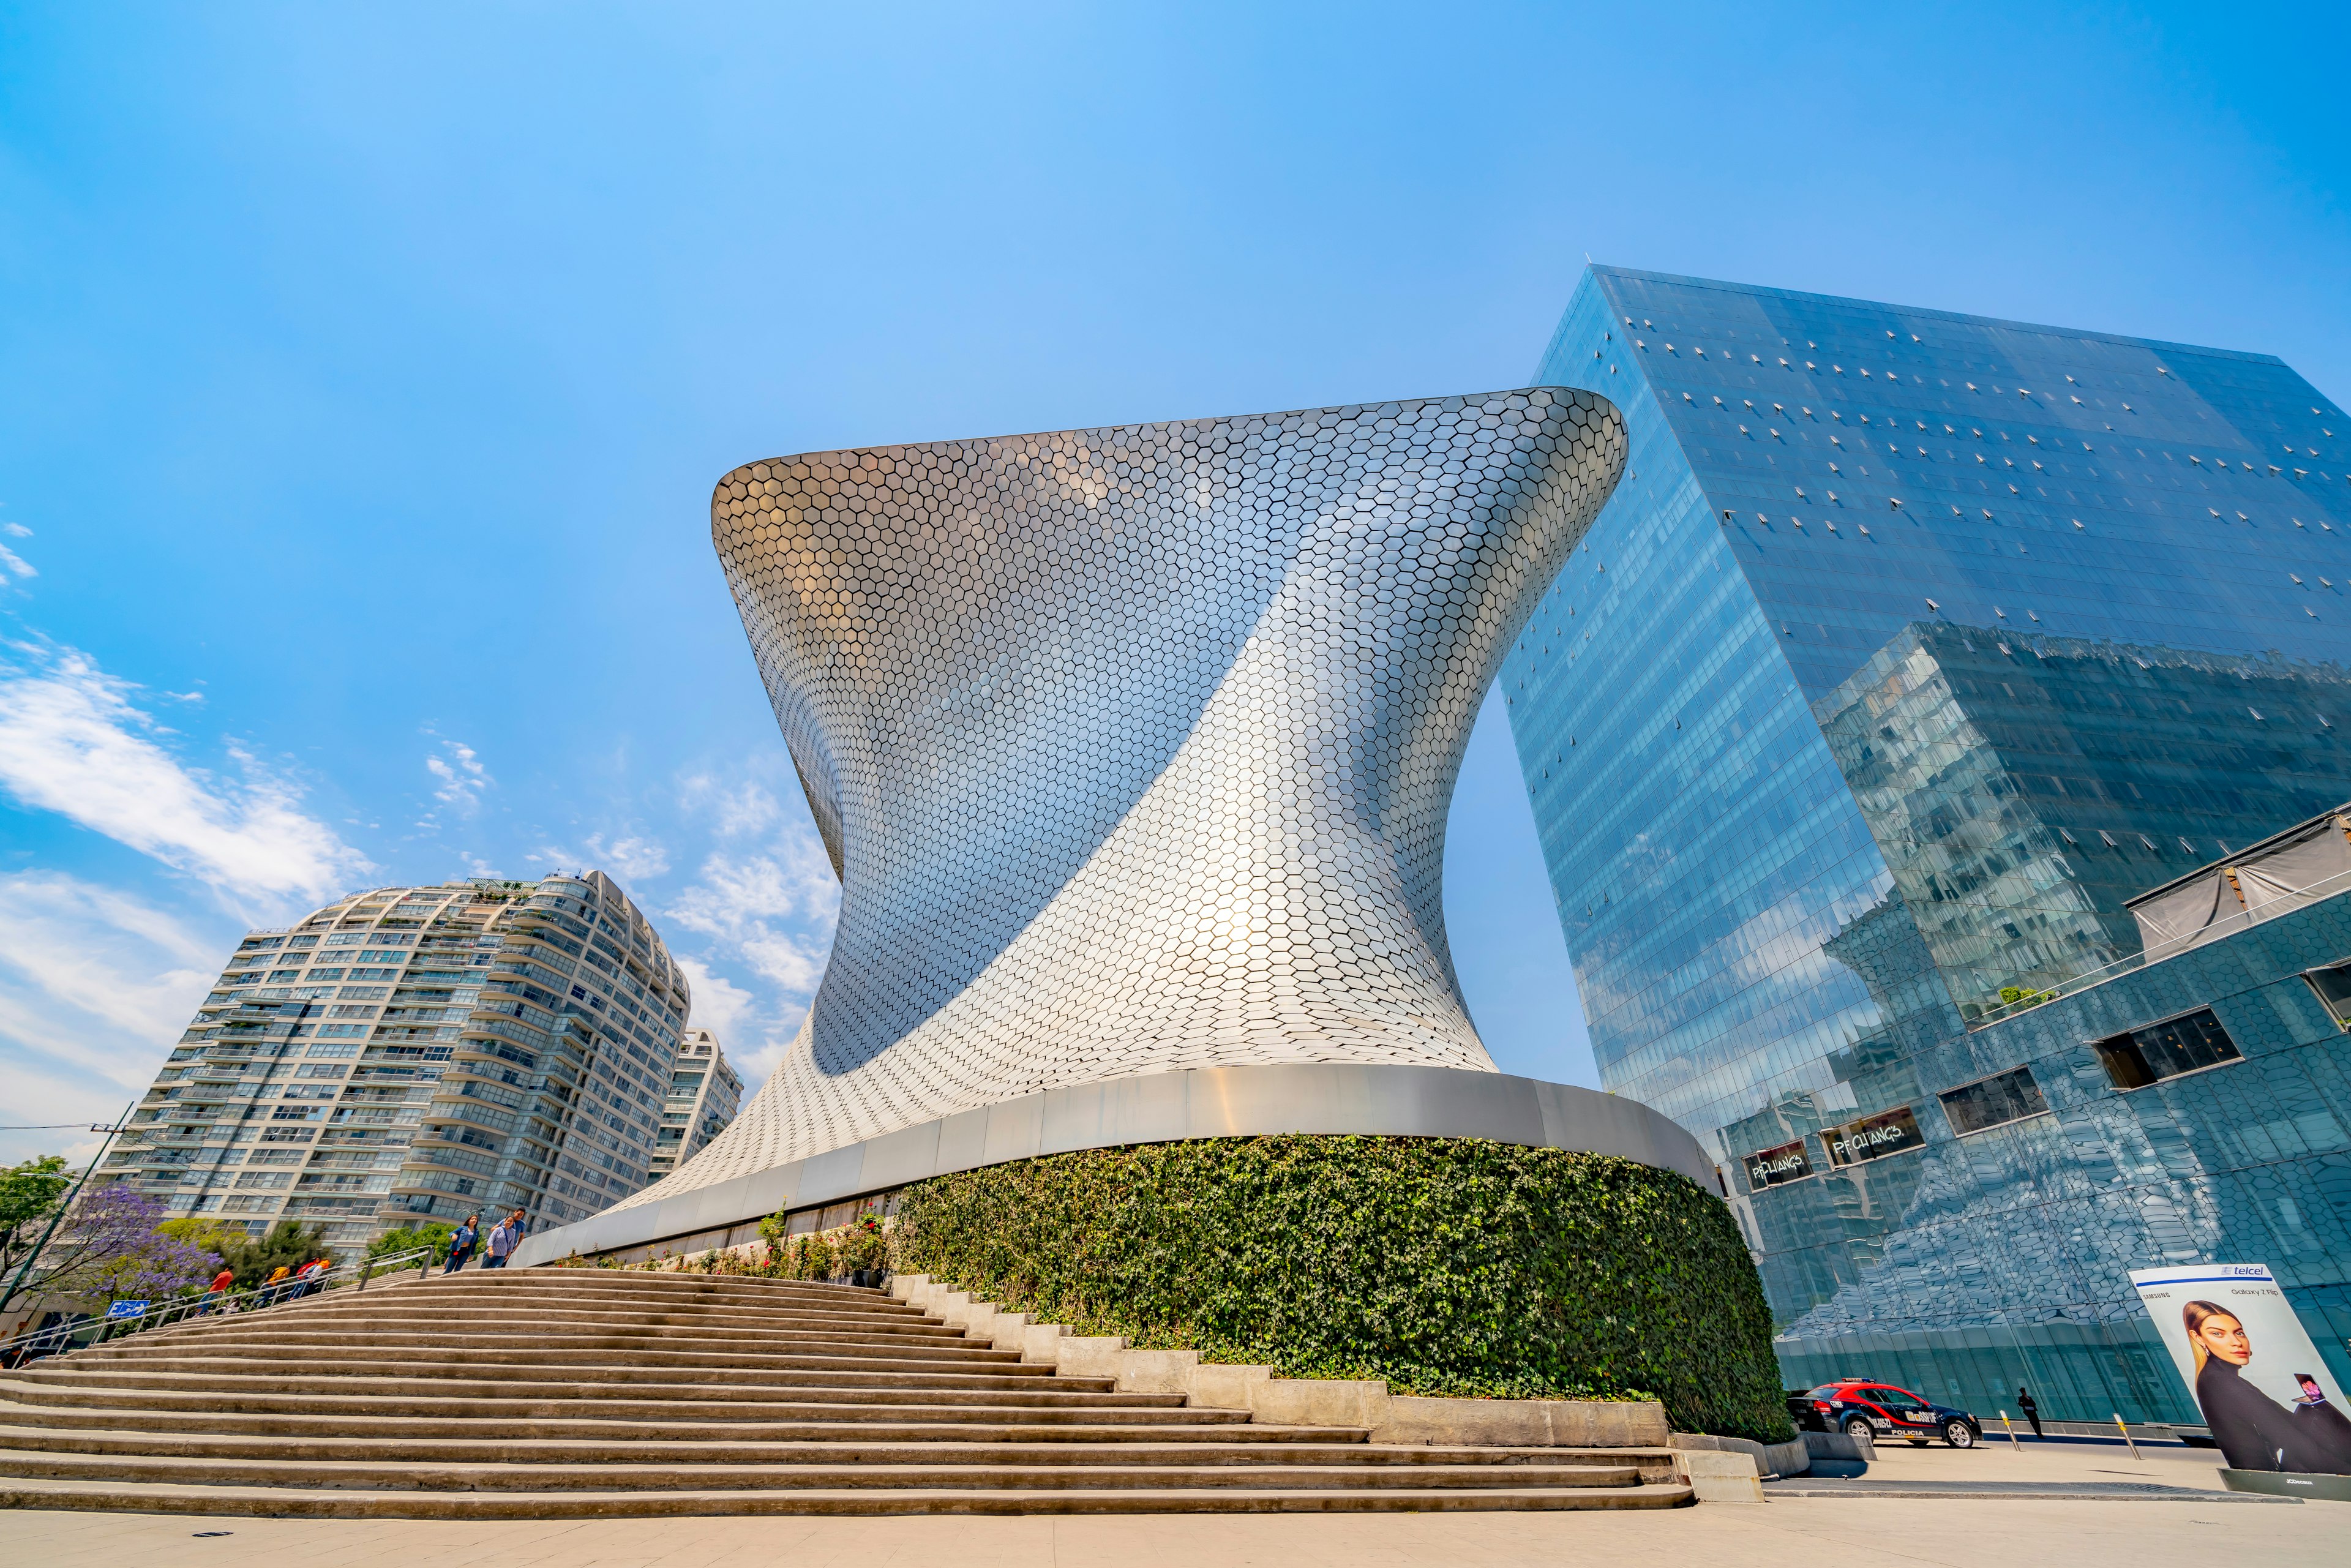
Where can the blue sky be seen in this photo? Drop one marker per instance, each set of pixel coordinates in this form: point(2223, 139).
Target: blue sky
point(364, 376)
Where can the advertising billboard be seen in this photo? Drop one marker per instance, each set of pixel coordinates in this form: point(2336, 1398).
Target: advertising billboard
point(1874, 1137)
point(1770, 1168)
point(2270, 1401)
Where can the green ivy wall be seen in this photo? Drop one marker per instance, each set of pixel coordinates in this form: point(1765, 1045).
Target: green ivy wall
point(1447, 1266)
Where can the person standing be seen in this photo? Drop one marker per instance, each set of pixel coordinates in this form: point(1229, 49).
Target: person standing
point(2031, 1411)
point(461, 1243)
point(502, 1242)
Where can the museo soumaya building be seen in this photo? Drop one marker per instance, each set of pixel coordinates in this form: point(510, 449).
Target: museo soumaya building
point(1890, 686)
point(1132, 749)
point(1937, 746)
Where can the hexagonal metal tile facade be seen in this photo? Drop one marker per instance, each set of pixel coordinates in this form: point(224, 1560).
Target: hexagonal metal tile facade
point(1133, 746)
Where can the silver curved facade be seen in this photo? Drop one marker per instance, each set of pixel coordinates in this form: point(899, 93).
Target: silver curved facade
point(1132, 746)
point(1153, 1108)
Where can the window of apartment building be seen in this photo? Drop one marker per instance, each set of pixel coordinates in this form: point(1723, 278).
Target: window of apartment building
point(1993, 1102)
point(2189, 1044)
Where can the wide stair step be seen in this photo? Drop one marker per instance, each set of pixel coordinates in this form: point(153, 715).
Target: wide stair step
point(555, 1393)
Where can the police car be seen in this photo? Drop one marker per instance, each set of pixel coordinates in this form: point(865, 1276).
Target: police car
point(1854, 1405)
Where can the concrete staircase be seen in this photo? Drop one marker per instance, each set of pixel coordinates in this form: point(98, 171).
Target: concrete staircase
point(553, 1392)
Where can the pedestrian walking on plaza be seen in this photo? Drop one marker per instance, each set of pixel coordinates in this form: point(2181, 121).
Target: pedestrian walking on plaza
point(461, 1243)
point(219, 1290)
point(502, 1242)
point(273, 1289)
point(2031, 1411)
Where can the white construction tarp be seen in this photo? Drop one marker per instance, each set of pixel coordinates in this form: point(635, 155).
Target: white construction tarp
point(2283, 880)
point(2290, 872)
point(2181, 917)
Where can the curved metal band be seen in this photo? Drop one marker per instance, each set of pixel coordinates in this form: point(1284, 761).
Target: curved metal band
point(1164, 1107)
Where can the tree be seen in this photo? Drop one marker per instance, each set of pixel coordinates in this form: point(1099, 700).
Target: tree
point(409, 1238)
point(160, 1268)
point(107, 1241)
point(29, 1196)
point(288, 1246)
point(210, 1235)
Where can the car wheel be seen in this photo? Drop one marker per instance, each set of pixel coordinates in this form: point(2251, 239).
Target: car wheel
point(1959, 1434)
point(1858, 1426)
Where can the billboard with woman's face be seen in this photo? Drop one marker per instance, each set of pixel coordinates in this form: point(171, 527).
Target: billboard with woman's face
point(2270, 1401)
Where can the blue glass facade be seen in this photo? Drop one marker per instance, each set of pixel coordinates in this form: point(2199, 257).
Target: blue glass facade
point(1910, 646)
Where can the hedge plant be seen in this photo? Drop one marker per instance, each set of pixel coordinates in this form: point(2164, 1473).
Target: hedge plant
point(1447, 1266)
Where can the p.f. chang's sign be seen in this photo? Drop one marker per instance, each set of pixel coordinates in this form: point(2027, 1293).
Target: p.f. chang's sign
point(1874, 1137)
point(1770, 1167)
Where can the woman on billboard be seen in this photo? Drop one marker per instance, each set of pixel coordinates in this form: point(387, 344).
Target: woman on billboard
point(2255, 1431)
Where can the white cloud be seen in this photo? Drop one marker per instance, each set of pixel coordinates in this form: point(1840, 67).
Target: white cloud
point(792, 963)
point(719, 1004)
point(462, 777)
point(756, 1057)
point(767, 913)
point(631, 859)
point(15, 530)
point(737, 896)
point(739, 811)
point(72, 742)
point(11, 562)
point(94, 986)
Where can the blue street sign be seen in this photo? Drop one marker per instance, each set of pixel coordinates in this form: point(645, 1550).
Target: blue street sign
point(126, 1308)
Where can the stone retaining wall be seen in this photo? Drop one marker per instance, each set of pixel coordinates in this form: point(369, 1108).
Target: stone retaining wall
point(1350, 1402)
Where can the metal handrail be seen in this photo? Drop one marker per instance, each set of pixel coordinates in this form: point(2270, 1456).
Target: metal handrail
point(58, 1338)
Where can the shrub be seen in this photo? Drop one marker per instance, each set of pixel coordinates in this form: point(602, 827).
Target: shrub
point(810, 1257)
point(1448, 1267)
point(861, 1244)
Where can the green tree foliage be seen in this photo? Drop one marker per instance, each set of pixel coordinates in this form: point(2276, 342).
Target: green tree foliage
point(29, 1196)
point(198, 1231)
point(409, 1238)
point(1448, 1267)
point(289, 1244)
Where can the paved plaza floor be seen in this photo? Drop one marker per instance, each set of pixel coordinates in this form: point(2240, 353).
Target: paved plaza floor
point(1907, 1531)
point(1900, 1532)
point(2029, 1464)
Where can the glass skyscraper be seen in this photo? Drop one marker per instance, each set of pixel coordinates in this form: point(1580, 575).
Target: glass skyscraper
point(1911, 646)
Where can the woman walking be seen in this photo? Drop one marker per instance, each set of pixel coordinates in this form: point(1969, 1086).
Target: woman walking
point(461, 1243)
